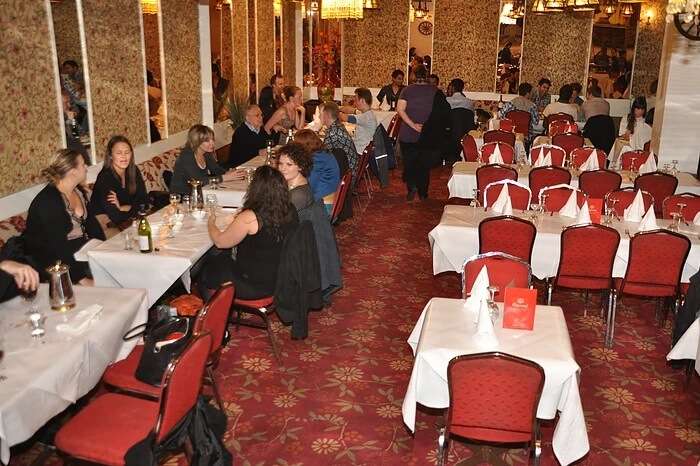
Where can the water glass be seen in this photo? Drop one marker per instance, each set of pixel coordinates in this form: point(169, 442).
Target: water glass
point(494, 311)
point(676, 222)
point(128, 239)
point(36, 321)
point(186, 204)
point(211, 202)
point(674, 168)
point(214, 182)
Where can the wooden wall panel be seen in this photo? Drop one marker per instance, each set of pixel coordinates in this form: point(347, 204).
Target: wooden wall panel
point(117, 93)
point(252, 66)
point(647, 56)
point(239, 36)
point(183, 88)
point(264, 41)
point(289, 41)
point(465, 45)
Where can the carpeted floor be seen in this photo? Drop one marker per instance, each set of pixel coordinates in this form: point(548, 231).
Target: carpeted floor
point(337, 398)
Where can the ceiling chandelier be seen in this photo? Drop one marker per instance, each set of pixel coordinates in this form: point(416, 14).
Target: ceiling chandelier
point(149, 7)
point(558, 6)
point(421, 10)
point(371, 4)
point(686, 16)
point(341, 9)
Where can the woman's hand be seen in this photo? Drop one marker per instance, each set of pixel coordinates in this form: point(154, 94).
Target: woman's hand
point(234, 174)
point(112, 199)
point(417, 127)
point(87, 282)
point(25, 276)
point(301, 109)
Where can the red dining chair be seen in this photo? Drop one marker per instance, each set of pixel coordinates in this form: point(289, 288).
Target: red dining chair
point(654, 267)
point(633, 159)
point(498, 135)
point(672, 204)
point(562, 126)
point(647, 146)
point(580, 155)
point(106, 429)
point(568, 141)
point(487, 174)
point(520, 195)
point(558, 195)
point(624, 197)
point(521, 119)
point(393, 128)
point(542, 177)
point(213, 319)
point(507, 151)
point(659, 185)
point(261, 308)
point(470, 152)
point(548, 120)
point(598, 183)
point(586, 257)
point(505, 124)
point(557, 154)
point(362, 173)
point(483, 409)
point(507, 234)
point(503, 269)
point(340, 195)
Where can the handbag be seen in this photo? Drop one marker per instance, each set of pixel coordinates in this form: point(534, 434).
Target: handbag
point(163, 341)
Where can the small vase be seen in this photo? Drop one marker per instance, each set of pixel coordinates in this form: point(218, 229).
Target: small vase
point(326, 88)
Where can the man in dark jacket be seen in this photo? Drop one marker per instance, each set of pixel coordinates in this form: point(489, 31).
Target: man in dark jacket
point(249, 139)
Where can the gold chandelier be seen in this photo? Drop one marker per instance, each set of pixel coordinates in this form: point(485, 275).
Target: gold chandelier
point(149, 7)
point(341, 9)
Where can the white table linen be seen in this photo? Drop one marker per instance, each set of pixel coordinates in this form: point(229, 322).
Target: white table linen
point(114, 267)
point(229, 193)
point(45, 376)
point(445, 330)
point(462, 183)
point(688, 346)
point(456, 238)
point(519, 147)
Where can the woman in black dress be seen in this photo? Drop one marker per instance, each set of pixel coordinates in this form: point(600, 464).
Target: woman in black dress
point(257, 233)
point(119, 191)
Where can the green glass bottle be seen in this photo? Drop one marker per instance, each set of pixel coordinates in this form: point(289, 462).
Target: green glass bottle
point(144, 233)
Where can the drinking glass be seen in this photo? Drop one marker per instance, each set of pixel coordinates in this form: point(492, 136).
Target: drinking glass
point(211, 202)
point(674, 169)
point(29, 297)
point(494, 312)
point(475, 201)
point(534, 212)
point(36, 321)
point(666, 168)
point(128, 239)
point(543, 202)
point(214, 182)
point(676, 222)
point(682, 206)
point(186, 203)
point(174, 201)
point(249, 174)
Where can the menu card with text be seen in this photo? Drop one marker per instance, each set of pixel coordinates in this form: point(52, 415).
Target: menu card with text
point(519, 308)
point(595, 209)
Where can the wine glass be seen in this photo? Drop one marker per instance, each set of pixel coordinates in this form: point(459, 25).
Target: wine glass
point(543, 202)
point(682, 206)
point(186, 203)
point(494, 312)
point(211, 202)
point(29, 297)
point(36, 321)
point(174, 201)
point(214, 182)
point(676, 222)
point(674, 168)
point(613, 210)
point(475, 201)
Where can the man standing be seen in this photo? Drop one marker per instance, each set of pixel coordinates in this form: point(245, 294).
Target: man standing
point(540, 95)
point(249, 139)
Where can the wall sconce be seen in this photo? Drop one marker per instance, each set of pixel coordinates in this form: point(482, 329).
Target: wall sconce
point(649, 16)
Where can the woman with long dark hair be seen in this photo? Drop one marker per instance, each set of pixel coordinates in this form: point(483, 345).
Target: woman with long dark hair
point(119, 190)
point(634, 128)
point(257, 233)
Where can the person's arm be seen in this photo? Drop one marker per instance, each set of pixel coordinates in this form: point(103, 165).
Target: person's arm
point(401, 110)
point(381, 95)
point(245, 223)
point(271, 124)
point(300, 117)
point(25, 277)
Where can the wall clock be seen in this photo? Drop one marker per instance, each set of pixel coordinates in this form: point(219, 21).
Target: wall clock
point(425, 28)
point(689, 29)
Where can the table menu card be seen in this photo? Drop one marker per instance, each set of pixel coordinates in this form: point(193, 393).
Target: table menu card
point(519, 308)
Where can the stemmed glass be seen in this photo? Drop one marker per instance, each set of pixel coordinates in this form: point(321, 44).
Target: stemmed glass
point(674, 168)
point(543, 202)
point(36, 321)
point(521, 162)
point(682, 206)
point(535, 211)
point(613, 210)
point(214, 182)
point(633, 167)
point(676, 222)
point(494, 312)
point(211, 202)
point(475, 201)
point(174, 201)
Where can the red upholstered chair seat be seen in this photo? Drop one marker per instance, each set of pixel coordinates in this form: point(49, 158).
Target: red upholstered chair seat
point(645, 289)
point(107, 428)
point(583, 282)
point(121, 375)
point(254, 303)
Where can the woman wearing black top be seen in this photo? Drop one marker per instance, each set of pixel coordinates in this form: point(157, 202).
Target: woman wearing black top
point(198, 161)
point(58, 222)
point(119, 191)
point(258, 233)
point(391, 92)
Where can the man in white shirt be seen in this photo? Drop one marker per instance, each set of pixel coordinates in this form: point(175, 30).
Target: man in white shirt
point(563, 105)
point(456, 97)
point(363, 117)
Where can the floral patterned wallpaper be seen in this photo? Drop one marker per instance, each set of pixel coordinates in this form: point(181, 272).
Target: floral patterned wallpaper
point(650, 40)
point(376, 45)
point(117, 94)
point(151, 40)
point(183, 89)
point(30, 132)
point(555, 46)
point(239, 27)
point(288, 41)
point(251, 40)
point(465, 44)
point(226, 42)
point(264, 40)
point(66, 31)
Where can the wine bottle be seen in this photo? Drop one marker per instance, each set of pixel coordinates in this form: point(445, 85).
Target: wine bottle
point(290, 136)
point(268, 160)
point(144, 234)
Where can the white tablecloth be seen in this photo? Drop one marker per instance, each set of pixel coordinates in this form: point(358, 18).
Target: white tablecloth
point(519, 148)
point(462, 183)
point(445, 330)
point(688, 347)
point(456, 238)
point(45, 376)
point(231, 193)
point(114, 267)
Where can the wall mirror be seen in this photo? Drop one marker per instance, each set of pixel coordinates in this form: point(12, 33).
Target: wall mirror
point(420, 36)
point(154, 70)
point(278, 36)
point(510, 42)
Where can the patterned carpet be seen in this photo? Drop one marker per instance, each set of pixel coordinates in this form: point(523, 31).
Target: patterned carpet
point(337, 399)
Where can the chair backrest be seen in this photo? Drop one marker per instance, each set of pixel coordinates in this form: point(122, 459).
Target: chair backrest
point(394, 126)
point(469, 148)
point(507, 234)
point(624, 197)
point(562, 126)
point(363, 161)
point(487, 174)
point(647, 146)
point(557, 196)
point(505, 124)
point(659, 185)
point(692, 205)
point(521, 119)
point(656, 258)
point(541, 177)
point(557, 154)
point(580, 154)
point(504, 271)
point(568, 141)
point(598, 183)
point(494, 397)
point(182, 383)
point(520, 195)
point(498, 135)
point(588, 251)
point(548, 120)
point(633, 159)
point(507, 151)
point(214, 317)
point(340, 195)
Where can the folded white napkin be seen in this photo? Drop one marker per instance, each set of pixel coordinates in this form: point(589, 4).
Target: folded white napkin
point(649, 221)
point(81, 254)
point(496, 156)
point(591, 162)
point(81, 321)
point(648, 166)
point(485, 333)
point(584, 216)
point(570, 209)
point(478, 293)
point(696, 220)
point(508, 209)
point(503, 198)
point(635, 211)
point(545, 161)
